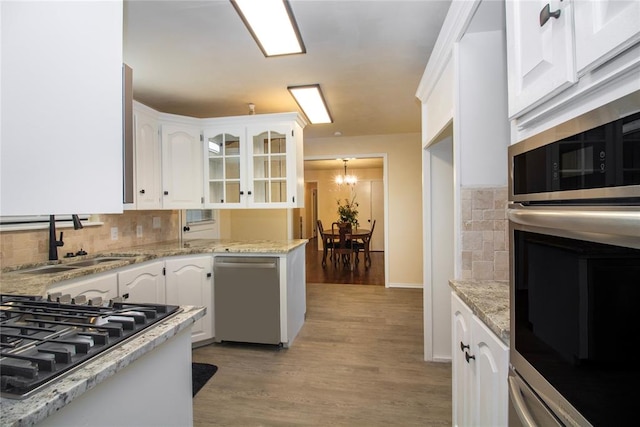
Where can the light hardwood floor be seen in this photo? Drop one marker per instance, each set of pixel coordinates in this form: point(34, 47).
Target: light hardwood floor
point(358, 361)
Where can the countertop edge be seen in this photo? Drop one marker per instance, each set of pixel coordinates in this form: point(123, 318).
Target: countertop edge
point(59, 394)
point(489, 301)
point(13, 281)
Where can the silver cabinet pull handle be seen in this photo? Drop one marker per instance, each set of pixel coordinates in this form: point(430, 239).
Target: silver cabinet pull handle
point(546, 14)
point(518, 403)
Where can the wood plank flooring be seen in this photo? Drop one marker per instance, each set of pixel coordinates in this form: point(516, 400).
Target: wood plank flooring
point(358, 361)
point(374, 275)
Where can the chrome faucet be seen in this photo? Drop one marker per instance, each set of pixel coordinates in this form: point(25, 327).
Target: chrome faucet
point(53, 243)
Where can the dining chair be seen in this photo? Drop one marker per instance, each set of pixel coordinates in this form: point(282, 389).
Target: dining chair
point(327, 243)
point(343, 250)
point(364, 246)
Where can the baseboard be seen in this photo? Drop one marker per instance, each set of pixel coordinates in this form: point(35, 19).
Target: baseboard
point(405, 285)
point(440, 360)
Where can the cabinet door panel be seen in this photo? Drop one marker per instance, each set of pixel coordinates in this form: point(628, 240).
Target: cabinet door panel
point(224, 149)
point(143, 284)
point(491, 369)
point(603, 29)
point(270, 146)
point(104, 286)
point(181, 167)
point(148, 162)
point(539, 58)
point(189, 282)
point(461, 378)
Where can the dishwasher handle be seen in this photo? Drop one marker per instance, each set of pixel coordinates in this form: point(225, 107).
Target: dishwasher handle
point(246, 263)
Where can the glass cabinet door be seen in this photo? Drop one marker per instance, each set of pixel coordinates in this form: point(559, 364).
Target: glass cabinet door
point(223, 168)
point(269, 167)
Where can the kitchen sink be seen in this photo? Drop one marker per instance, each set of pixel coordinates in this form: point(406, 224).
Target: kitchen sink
point(49, 269)
point(95, 261)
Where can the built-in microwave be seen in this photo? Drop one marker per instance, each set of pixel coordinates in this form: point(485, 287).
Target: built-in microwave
point(596, 165)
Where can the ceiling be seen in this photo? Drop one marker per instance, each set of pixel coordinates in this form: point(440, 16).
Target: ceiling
point(196, 58)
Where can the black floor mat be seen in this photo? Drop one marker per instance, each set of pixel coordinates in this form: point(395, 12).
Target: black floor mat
point(201, 373)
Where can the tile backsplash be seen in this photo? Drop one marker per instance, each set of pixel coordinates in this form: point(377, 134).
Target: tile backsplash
point(485, 234)
point(32, 246)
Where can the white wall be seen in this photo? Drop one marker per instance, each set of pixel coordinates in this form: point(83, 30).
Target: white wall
point(468, 71)
point(482, 125)
point(254, 224)
point(439, 248)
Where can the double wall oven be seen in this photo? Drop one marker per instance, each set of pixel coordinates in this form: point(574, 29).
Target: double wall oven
point(574, 221)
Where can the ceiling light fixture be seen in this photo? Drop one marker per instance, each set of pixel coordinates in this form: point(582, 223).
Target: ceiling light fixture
point(346, 178)
point(312, 103)
point(272, 25)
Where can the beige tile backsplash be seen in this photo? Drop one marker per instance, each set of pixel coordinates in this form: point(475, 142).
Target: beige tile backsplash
point(485, 237)
point(24, 247)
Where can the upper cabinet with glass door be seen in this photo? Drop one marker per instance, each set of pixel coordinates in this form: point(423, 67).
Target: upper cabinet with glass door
point(254, 161)
point(222, 166)
point(269, 164)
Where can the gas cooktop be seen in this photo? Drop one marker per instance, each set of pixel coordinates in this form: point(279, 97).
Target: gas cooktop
point(40, 340)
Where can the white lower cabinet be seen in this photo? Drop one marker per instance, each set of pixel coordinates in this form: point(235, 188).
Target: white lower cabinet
point(189, 281)
point(143, 284)
point(479, 370)
point(104, 286)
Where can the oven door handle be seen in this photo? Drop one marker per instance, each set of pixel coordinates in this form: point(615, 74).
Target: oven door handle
point(611, 222)
point(518, 403)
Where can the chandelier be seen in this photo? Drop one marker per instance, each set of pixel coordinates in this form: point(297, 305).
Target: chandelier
point(346, 179)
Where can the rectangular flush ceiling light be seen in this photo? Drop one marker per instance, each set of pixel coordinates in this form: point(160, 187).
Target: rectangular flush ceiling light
point(272, 25)
point(310, 99)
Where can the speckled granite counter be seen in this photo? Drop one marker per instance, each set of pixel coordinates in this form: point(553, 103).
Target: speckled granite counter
point(12, 281)
point(489, 300)
point(64, 390)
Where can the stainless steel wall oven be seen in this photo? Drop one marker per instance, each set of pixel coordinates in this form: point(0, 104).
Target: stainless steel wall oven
point(574, 222)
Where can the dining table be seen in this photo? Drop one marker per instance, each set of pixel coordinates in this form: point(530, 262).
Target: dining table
point(357, 233)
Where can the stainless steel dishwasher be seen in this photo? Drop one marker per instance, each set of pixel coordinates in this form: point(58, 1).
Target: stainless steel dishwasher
point(247, 299)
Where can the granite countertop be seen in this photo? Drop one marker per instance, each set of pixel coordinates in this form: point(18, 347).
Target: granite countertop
point(489, 300)
point(14, 281)
point(49, 400)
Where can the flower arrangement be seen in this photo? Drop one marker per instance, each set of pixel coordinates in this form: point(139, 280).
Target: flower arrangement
point(348, 211)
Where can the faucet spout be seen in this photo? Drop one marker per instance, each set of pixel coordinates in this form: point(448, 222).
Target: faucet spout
point(53, 242)
point(77, 225)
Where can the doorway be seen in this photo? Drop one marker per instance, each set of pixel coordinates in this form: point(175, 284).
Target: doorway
point(323, 195)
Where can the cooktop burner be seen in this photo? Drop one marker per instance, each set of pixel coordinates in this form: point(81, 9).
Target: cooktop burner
point(40, 339)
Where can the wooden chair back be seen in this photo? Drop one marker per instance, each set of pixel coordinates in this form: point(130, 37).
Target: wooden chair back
point(343, 246)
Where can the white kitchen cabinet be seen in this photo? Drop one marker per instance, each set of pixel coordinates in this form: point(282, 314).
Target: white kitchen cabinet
point(148, 159)
point(224, 167)
point(603, 29)
point(62, 107)
point(103, 285)
point(254, 161)
point(181, 166)
point(479, 370)
point(189, 281)
point(540, 58)
point(143, 283)
point(586, 58)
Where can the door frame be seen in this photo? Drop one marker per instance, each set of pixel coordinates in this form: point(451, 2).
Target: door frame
point(385, 186)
